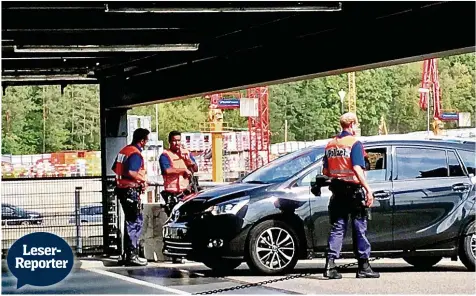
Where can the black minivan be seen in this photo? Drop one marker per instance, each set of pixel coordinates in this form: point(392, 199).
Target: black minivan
point(424, 210)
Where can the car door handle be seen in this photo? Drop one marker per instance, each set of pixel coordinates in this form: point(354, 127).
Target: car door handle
point(460, 187)
point(382, 195)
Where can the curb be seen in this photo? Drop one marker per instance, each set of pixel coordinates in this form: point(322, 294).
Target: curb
point(91, 263)
point(106, 263)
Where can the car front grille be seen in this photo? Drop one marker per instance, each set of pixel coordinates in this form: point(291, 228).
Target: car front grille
point(177, 248)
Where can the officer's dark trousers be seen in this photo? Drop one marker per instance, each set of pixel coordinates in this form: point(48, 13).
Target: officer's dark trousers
point(131, 206)
point(347, 201)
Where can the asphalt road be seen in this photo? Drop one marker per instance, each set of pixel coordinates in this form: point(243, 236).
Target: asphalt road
point(397, 277)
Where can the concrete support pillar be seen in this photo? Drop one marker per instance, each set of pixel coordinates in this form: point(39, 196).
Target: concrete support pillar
point(113, 139)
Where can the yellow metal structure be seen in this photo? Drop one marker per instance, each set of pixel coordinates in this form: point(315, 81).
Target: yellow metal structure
point(437, 127)
point(217, 152)
point(352, 93)
point(382, 129)
point(215, 126)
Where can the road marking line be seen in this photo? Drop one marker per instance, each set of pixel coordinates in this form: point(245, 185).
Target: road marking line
point(136, 281)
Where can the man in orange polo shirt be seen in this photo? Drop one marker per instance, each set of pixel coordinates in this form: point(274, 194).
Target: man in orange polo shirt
point(344, 163)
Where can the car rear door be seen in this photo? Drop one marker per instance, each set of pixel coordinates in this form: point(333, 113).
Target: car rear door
point(429, 184)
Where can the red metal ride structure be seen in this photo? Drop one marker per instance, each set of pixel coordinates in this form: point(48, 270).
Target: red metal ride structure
point(430, 80)
point(259, 129)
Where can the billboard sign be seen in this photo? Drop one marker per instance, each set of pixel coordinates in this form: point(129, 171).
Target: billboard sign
point(449, 116)
point(229, 103)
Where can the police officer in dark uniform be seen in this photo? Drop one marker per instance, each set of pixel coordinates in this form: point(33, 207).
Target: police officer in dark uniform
point(131, 179)
point(344, 164)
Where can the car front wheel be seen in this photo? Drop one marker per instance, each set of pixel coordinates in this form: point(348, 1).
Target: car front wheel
point(273, 248)
point(467, 249)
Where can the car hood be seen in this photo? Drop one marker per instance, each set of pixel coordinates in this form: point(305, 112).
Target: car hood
point(229, 190)
point(196, 203)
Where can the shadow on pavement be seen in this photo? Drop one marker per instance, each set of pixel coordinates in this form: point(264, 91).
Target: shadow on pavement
point(319, 271)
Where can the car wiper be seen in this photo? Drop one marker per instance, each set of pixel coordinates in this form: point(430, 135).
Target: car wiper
point(256, 182)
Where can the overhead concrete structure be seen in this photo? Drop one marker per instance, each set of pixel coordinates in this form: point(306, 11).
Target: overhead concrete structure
point(151, 51)
point(146, 52)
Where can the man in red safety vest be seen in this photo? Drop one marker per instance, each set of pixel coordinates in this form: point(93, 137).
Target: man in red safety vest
point(176, 165)
point(344, 163)
point(131, 181)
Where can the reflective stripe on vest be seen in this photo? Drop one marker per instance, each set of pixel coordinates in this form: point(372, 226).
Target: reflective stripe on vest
point(122, 177)
point(175, 183)
point(339, 163)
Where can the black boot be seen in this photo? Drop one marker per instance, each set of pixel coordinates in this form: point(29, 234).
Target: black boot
point(331, 270)
point(365, 271)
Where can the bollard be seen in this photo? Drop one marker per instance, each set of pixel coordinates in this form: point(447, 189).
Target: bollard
point(77, 205)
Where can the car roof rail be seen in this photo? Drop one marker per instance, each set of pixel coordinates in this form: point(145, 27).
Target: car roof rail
point(453, 139)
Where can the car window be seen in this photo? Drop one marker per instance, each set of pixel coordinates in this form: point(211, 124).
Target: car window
point(98, 210)
point(455, 167)
point(376, 164)
point(7, 211)
point(309, 177)
point(469, 160)
point(416, 163)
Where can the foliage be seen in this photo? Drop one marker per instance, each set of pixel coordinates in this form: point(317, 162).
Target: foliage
point(40, 119)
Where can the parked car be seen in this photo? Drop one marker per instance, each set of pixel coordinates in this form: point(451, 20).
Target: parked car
point(424, 193)
point(88, 214)
point(14, 215)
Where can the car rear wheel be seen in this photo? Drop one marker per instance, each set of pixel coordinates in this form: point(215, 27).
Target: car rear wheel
point(422, 262)
point(467, 247)
point(221, 265)
point(273, 248)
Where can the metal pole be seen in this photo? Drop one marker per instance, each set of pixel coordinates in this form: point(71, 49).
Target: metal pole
point(157, 120)
point(157, 156)
point(342, 107)
point(77, 203)
point(285, 136)
point(44, 120)
point(428, 114)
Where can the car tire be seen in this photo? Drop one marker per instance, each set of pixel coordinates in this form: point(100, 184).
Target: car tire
point(221, 265)
point(422, 262)
point(467, 247)
point(264, 236)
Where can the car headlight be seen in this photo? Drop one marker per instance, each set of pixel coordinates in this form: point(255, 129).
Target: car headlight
point(229, 206)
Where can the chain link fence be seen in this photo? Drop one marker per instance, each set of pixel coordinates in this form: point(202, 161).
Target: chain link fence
point(68, 207)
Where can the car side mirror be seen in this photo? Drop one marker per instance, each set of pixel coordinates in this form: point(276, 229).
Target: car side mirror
point(320, 181)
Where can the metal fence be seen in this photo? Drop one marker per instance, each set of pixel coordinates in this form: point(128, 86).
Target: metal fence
point(68, 207)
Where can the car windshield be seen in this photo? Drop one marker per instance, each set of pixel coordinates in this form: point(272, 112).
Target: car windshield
point(285, 167)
